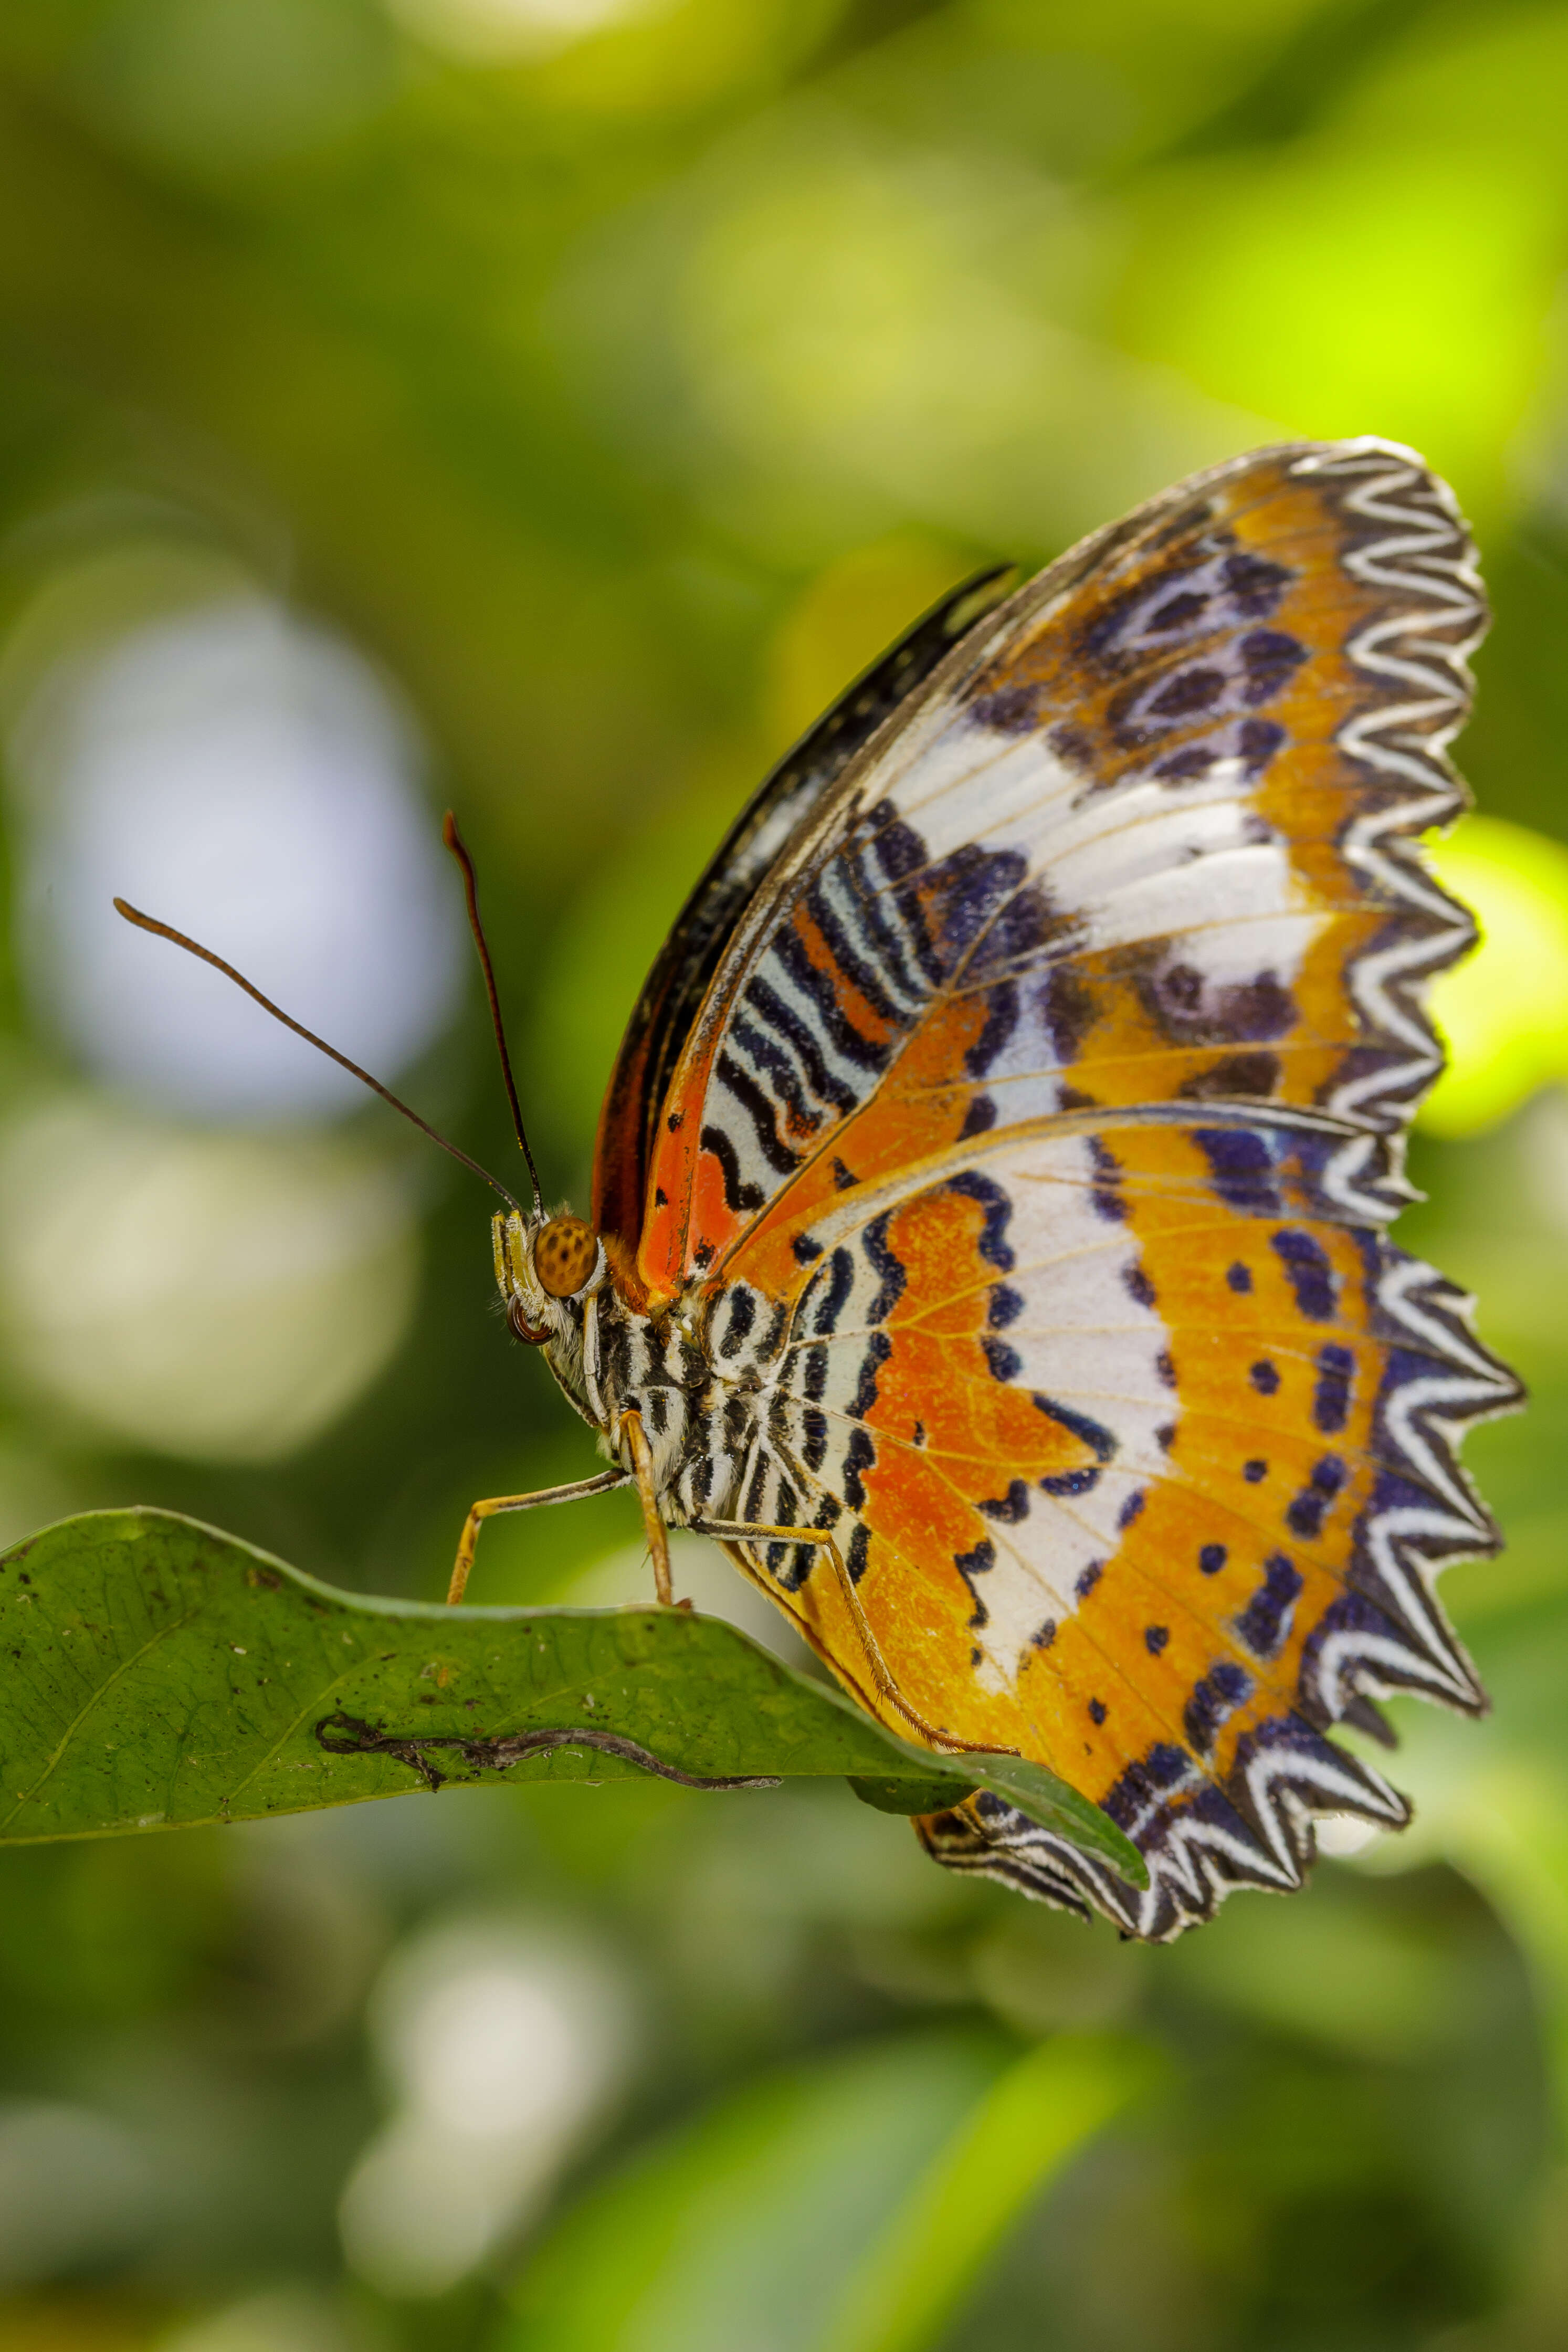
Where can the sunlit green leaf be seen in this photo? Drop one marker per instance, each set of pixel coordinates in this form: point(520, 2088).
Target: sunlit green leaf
point(158, 1673)
point(1503, 1012)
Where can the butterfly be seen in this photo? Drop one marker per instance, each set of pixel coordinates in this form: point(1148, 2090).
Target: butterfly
point(987, 1243)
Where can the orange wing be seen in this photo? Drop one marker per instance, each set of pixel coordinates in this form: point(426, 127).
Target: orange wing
point(1050, 1094)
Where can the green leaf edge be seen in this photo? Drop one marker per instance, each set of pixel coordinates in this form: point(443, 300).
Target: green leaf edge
point(1036, 1790)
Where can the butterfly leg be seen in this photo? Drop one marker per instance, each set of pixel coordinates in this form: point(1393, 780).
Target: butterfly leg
point(641, 1454)
point(732, 1531)
point(601, 1484)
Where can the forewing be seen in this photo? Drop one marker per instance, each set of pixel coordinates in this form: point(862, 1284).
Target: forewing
point(690, 955)
point(1046, 1112)
point(1145, 836)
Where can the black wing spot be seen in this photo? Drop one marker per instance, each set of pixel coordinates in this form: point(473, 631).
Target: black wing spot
point(971, 1564)
point(1306, 1266)
point(1331, 1399)
point(739, 1196)
point(1266, 1620)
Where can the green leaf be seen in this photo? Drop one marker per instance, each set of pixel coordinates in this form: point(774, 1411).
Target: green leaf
point(901, 1794)
point(157, 1673)
point(915, 2273)
point(1051, 1801)
point(843, 2207)
point(745, 2224)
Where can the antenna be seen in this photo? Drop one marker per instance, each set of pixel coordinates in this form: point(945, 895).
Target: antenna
point(453, 840)
point(192, 947)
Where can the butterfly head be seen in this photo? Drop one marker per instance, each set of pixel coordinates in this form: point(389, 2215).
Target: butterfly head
point(545, 1267)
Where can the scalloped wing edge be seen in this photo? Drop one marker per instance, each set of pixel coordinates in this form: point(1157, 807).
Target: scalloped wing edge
point(1388, 1631)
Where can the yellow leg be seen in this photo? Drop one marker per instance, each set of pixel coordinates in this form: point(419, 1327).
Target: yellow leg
point(601, 1484)
point(733, 1531)
point(641, 1454)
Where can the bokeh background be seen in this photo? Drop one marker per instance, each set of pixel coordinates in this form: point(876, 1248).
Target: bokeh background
point(545, 406)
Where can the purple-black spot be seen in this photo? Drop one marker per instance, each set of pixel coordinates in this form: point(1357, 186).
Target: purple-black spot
point(1154, 1639)
point(1164, 1365)
point(1218, 1696)
point(1257, 740)
point(1004, 1306)
point(1265, 1621)
point(1189, 692)
point(1010, 710)
point(1046, 1635)
point(1010, 1508)
point(1305, 1514)
point(804, 1249)
point(1306, 1266)
point(1071, 1482)
point(1255, 583)
point(1131, 1508)
point(1088, 1577)
point(1097, 1710)
point(1271, 659)
point(1138, 1284)
point(1005, 1363)
point(1106, 1196)
point(1212, 1559)
point(1193, 759)
point(1177, 611)
point(1264, 1378)
point(1093, 1434)
point(1242, 1166)
point(1254, 1470)
point(980, 1116)
point(1240, 1278)
point(1330, 1398)
point(970, 1564)
point(997, 1207)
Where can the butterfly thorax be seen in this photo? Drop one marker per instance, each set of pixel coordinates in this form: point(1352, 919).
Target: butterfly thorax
point(702, 1418)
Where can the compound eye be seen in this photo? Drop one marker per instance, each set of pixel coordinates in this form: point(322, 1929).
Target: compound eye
point(566, 1251)
point(520, 1328)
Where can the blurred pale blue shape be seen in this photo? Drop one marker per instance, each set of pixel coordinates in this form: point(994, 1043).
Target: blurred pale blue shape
point(75, 2189)
point(218, 1296)
point(503, 2041)
point(249, 779)
point(1503, 1012)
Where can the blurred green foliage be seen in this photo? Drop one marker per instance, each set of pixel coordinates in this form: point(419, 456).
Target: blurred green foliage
point(617, 376)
